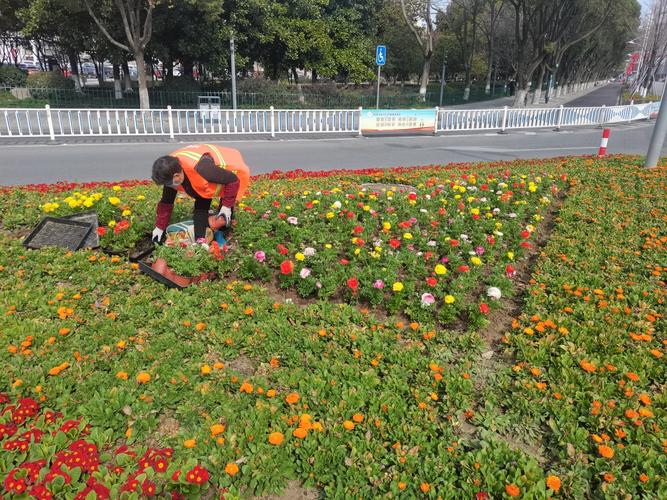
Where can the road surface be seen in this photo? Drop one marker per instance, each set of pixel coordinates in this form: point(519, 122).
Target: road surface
point(24, 164)
point(604, 96)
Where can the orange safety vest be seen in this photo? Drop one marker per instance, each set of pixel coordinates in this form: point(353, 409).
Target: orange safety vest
point(227, 158)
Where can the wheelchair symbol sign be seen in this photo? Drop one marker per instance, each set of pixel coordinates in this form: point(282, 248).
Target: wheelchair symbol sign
point(381, 55)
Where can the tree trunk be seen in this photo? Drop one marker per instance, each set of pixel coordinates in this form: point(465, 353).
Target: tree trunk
point(537, 95)
point(144, 102)
point(127, 79)
point(117, 88)
point(99, 74)
point(74, 73)
point(426, 72)
point(314, 76)
point(295, 76)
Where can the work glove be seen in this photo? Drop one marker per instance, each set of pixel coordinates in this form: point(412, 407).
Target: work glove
point(157, 235)
point(226, 212)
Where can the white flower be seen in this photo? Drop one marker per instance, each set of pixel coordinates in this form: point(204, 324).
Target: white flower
point(309, 251)
point(427, 299)
point(305, 272)
point(423, 210)
point(464, 237)
point(494, 293)
point(337, 204)
point(496, 211)
point(511, 215)
point(431, 243)
point(293, 220)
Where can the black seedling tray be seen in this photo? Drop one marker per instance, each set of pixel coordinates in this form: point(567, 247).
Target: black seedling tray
point(58, 232)
point(90, 217)
point(147, 269)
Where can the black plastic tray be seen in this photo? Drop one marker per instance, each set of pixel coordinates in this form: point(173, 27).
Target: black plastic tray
point(89, 217)
point(73, 243)
point(147, 269)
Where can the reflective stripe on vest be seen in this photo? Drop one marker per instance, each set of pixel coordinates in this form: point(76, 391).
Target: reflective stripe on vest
point(196, 157)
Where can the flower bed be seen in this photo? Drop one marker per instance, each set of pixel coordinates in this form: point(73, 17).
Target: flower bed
point(389, 370)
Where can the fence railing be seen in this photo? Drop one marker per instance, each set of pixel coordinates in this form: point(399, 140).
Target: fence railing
point(58, 123)
point(503, 119)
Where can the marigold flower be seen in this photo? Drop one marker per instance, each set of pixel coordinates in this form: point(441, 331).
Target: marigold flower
point(348, 425)
point(425, 487)
point(553, 482)
point(292, 398)
point(122, 375)
point(143, 377)
point(512, 490)
point(276, 438)
point(300, 433)
point(358, 417)
point(605, 451)
point(232, 469)
point(189, 443)
point(217, 429)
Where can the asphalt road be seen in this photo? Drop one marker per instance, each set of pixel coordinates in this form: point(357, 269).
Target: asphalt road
point(24, 164)
point(604, 96)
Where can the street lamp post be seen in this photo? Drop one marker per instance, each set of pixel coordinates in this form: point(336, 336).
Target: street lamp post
point(232, 48)
point(658, 138)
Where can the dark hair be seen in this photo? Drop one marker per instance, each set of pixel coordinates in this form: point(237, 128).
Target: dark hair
point(164, 169)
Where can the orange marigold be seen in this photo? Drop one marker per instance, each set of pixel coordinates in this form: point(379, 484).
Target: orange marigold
point(512, 490)
point(553, 482)
point(276, 438)
point(425, 487)
point(232, 469)
point(217, 429)
point(358, 417)
point(348, 425)
point(292, 398)
point(605, 451)
point(300, 433)
point(143, 377)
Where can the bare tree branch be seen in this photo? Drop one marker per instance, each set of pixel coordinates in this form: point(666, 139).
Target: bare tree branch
point(104, 30)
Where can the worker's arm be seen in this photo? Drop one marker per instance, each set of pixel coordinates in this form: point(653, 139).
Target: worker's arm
point(212, 173)
point(200, 217)
point(163, 213)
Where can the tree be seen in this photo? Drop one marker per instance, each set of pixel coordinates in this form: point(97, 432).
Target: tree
point(492, 12)
point(463, 20)
point(404, 53)
point(418, 15)
point(137, 18)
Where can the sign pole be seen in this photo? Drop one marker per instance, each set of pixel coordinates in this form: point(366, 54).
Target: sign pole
point(377, 102)
point(232, 49)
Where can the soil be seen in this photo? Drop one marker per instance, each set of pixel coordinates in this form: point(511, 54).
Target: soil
point(293, 491)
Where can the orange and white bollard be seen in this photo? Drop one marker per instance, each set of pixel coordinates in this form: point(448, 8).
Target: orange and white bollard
point(603, 145)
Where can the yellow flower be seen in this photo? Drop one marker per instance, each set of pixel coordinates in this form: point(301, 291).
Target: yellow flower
point(386, 226)
point(397, 287)
point(113, 200)
point(328, 246)
point(116, 188)
point(440, 269)
point(407, 236)
point(357, 251)
point(450, 299)
point(88, 202)
point(299, 256)
point(141, 197)
point(330, 215)
point(476, 261)
point(510, 255)
point(112, 223)
point(126, 213)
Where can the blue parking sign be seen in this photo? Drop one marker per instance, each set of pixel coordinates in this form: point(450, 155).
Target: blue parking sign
point(381, 55)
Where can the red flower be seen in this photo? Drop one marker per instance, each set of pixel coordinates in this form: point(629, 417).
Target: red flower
point(282, 249)
point(101, 231)
point(482, 495)
point(198, 475)
point(454, 243)
point(344, 262)
point(148, 488)
point(490, 240)
point(353, 283)
point(525, 244)
point(394, 243)
point(464, 269)
point(358, 230)
point(525, 234)
point(484, 308)
point(412, 196)
point(430, 281)
point(286, 267)
point(510, 271)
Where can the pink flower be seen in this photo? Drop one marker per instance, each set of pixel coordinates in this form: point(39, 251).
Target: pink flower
point(293, 220)
point(379, 284)
point(479, 250)
point(305, 272)
point(260, 256)
point(427, 299)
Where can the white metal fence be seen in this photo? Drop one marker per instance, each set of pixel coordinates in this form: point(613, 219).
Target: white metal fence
point(63, 123)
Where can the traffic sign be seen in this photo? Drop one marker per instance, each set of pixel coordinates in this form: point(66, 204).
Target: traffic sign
point(381, 55)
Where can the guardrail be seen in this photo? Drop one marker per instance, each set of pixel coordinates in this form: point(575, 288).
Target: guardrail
point(503, 119)
point(63, 123)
